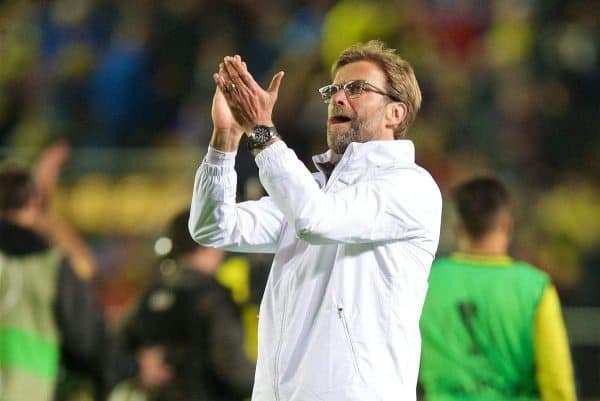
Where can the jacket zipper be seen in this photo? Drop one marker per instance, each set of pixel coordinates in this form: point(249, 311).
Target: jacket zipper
point(348, 338)
point(278, 352)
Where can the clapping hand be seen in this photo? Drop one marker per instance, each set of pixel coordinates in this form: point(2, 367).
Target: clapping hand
point(240, 103)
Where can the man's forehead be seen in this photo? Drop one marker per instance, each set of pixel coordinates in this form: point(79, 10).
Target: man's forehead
point(366, 70)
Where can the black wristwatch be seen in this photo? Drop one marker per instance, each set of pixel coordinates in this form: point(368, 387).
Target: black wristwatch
point(259, 136)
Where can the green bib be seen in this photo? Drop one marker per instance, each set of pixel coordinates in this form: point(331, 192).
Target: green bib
point(29, 339)
point(477, 329)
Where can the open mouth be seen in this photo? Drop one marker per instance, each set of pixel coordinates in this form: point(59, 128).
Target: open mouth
point(339, 119)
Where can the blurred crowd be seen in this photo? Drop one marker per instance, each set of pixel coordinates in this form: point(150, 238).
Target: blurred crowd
point(510, 87)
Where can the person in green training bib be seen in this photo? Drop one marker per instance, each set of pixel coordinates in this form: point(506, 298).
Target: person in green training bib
point(50, 321)
point(491, 326)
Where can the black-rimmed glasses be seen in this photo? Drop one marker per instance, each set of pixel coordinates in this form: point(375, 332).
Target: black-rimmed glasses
point(353, 89)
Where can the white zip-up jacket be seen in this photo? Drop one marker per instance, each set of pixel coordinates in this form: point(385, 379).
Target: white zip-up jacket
point(339, 319)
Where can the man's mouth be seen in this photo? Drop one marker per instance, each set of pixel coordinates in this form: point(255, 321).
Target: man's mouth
point(339, 119)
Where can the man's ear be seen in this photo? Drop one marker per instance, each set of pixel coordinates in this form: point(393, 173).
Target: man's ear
point(396, 114)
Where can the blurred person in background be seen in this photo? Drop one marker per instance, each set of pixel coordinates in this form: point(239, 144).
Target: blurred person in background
point(49, 317)
point(194, 319)
point(492, 326)
point(353, 244)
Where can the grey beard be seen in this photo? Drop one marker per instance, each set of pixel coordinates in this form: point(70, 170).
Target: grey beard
point(339, 141)
point(359, 131)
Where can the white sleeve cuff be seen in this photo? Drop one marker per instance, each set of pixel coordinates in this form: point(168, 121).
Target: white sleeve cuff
point(216, 157)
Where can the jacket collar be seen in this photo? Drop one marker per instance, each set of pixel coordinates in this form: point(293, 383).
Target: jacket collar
point(17, 240)
point(361, 155)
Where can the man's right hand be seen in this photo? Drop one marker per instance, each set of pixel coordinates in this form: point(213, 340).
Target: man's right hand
point(226, 130)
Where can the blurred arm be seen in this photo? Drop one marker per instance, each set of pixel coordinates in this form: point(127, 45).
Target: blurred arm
point(554, 371)
point(70, 243)
point(49, 223)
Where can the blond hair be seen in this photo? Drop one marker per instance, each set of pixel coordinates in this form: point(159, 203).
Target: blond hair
point(401, 81)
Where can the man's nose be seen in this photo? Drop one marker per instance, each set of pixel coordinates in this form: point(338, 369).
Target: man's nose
point(339, 97)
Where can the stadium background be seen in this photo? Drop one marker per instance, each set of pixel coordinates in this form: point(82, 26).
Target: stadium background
point(509, 86)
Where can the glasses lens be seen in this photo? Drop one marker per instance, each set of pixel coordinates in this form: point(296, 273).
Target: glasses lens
point(354, 88)
point(327, 92)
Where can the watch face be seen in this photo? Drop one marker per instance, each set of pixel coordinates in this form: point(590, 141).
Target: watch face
point(261, 134)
